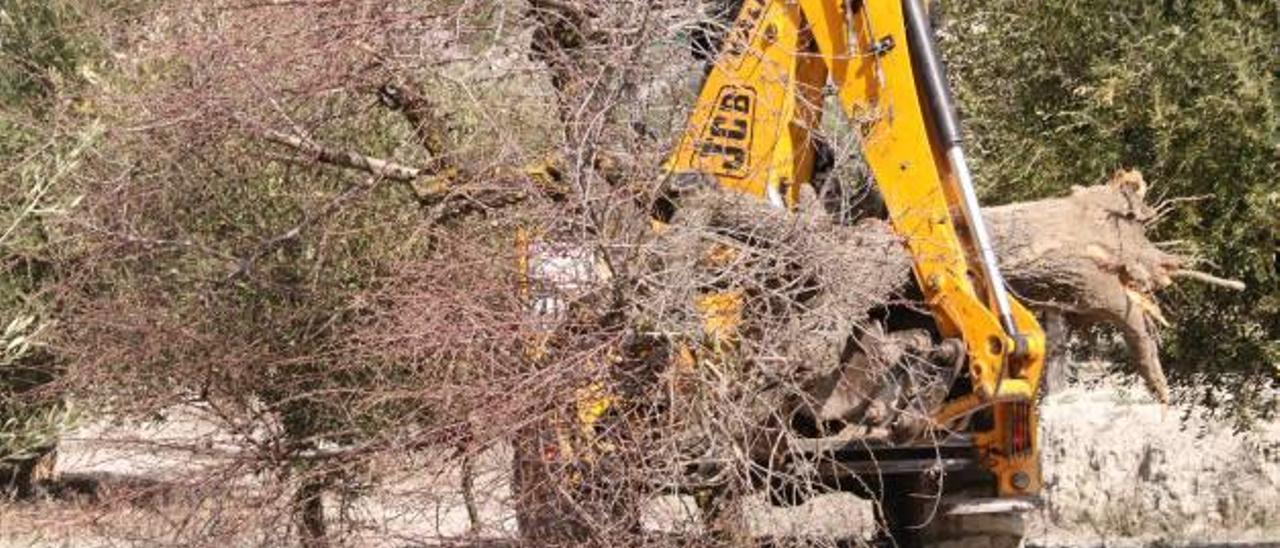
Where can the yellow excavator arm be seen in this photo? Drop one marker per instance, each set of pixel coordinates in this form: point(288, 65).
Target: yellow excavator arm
point(751, 131)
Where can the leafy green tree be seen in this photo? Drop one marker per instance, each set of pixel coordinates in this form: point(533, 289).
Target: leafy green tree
point(44, 57)
point(1062, 93)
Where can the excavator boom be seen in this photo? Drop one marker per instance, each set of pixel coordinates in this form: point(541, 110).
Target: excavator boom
point(751, 131)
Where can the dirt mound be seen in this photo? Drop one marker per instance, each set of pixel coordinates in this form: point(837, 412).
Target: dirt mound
point(1119, 466)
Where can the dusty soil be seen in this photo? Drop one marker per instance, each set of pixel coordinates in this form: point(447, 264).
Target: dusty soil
point(1120, 470)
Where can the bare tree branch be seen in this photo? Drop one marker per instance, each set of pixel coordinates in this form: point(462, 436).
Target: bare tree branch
point(343, 158)
point(1234, 285)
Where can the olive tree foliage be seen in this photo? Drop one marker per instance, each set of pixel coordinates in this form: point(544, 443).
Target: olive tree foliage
point(152, 255)
point(1055, 94)
point(46, 61)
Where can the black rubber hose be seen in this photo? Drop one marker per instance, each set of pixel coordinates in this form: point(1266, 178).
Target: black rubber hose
point(932, 73)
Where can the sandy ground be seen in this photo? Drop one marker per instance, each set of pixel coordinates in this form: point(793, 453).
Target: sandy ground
point(1120, 470)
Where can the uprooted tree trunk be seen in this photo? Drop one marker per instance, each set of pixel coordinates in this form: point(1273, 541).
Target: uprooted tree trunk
point(811, 285)
point(1087, 257)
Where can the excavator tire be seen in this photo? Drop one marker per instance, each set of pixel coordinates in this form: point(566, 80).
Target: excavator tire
point(911, 518)
point(973, 531)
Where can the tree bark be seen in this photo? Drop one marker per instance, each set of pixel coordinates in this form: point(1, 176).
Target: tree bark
point(308, 511)
point(1085, 257)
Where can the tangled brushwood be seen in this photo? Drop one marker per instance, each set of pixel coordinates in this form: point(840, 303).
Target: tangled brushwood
point(423, 255)
point(746, 334)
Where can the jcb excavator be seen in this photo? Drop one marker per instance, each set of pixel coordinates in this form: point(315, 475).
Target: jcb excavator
point(750, 132)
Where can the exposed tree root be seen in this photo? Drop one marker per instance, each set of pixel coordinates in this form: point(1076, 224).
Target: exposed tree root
point(811, 286)
point(1088, 257)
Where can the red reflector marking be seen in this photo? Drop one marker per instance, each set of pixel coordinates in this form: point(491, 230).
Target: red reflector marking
point(550, 452)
